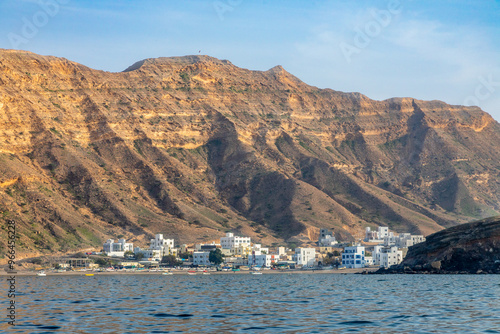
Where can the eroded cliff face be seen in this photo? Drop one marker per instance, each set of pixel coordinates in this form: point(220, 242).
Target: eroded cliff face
point(195, 146)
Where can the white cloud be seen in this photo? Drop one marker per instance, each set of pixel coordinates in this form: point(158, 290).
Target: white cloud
point(422, 58)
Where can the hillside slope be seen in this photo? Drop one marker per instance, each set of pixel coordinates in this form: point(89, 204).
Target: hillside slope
point(195, 146)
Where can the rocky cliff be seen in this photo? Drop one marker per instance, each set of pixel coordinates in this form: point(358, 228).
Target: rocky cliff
point(468, 248)
point(195, 146)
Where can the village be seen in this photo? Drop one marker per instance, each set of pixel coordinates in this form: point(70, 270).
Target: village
point(380, 248)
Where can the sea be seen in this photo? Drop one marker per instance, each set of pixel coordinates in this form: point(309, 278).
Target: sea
point(269, 303)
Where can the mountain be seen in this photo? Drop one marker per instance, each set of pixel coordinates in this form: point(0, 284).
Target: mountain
point(194, 146)
point(468, 249)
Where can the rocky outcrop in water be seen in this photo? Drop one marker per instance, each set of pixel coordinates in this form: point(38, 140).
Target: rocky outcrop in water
point(472, 248)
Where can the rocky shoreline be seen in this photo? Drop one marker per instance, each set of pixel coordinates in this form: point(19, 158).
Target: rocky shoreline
point(472, 248)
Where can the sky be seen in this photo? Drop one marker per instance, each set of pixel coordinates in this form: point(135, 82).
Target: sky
point(426, 49)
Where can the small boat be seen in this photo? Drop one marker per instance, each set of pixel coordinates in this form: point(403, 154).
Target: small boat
point(167, 273)
point(256, 273)
point(205, 272)
point(89, 274)
point(41, 273)
point(191, 272)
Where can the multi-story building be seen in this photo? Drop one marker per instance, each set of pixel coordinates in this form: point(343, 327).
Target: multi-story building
point(406, 240)
point(326, 238)
point(304, 256)
point(118, 249)
point(231, 241)
point(262, 260)
point(259, 248)
point(354, 257)
point(207, 247)
point(201, 258)
point(383, 235)
point(242, 250)
point(328, 241)
point(281, 251)
point(379, 235)
point(158, 248)
point(386, 256)
point(149, 254)
point(163, 246)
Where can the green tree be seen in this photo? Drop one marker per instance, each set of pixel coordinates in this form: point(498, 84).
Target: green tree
point(128, 254)
point(102, 262)
point(331, 258)
point(170, 260)
point(216, 257)
point(139, 256)
point(184, 255)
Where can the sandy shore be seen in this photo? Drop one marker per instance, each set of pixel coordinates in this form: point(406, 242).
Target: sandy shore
point(198, 273)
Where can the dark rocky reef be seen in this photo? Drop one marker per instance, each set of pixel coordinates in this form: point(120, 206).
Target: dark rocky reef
point(472, 248)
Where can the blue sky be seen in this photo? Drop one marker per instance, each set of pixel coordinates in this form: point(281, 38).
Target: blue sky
point(444, 50)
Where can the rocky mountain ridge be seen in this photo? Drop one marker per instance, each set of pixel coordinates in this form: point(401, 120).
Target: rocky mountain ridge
point(195, 146)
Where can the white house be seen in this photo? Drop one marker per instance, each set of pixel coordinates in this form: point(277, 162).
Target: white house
point(158, 248)
point(383, 235)
point(406, 240)
point(388, 256)
point(328, 241)
point(117, 249)
point(379, 235)
point(149, 254)
point(262, 260)
point(158, 241)
point(259, 248)
point(354, 257)
point(242, 250)
point(164, 246)
point(305, 256)
point(201, 258)
point(231, 241)
point(326, 238)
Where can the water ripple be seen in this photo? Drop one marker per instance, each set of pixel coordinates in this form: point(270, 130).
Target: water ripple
point(318, 303)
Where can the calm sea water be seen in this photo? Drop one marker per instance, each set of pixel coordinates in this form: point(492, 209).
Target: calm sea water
point(276, 303)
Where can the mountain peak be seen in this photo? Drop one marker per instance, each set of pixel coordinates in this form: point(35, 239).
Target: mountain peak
point(194, 146)
point(183, 60)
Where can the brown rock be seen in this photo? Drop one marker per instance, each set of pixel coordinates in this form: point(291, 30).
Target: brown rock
point(194, 146)
point(436, 265)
